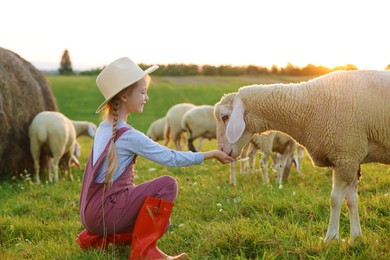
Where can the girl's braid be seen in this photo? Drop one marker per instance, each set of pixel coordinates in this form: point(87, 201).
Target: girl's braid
point(112, 156)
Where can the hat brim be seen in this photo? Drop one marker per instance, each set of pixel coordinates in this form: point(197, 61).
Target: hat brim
point(146, 72)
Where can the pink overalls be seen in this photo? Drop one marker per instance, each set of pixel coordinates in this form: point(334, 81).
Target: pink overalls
point(114, 210)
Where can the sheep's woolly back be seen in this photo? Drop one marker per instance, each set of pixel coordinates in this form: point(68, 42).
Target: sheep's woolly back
point(173, 127)
point(24, 92)
point(200, 122)
point(345, 111)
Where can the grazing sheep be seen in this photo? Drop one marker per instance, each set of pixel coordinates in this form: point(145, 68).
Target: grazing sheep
point(156, 130)
point(280, 148)
point(173, 129)
point(55, 135)
point(342, 119)
point(275, 145)
point(199, 122)
point(24, 92)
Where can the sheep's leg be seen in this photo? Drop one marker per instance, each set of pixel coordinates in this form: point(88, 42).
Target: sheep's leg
point(279, 167)
point(35, 150)
point(177, 144)
point(54, 166)
point(167, 135)
point(177, 140)
point(200, 141)
point(243, 161)
point(49, 169)
point(352, 203)
point(287, 168)
point(264, 167)
point(298, 159)
point(191, 146)
point(36, 171)
point(252, 159)
point(233, 180)
point(337, 196)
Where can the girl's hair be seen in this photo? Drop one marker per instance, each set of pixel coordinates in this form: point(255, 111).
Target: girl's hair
point(112, 107)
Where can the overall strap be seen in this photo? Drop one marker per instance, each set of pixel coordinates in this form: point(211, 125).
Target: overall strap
point(121, 131)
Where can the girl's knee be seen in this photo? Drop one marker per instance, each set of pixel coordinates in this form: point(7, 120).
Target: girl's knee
point(170, 187)
point(170, 181)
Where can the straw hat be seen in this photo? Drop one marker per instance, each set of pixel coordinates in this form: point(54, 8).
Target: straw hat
point(118, 75)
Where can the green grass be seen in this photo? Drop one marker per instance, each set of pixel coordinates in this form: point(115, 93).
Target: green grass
point(211, 219)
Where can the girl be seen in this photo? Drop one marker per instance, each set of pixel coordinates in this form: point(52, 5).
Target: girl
point(112, 207)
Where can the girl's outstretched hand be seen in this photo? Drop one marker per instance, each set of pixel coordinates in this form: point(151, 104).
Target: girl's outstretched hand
point(219, 155)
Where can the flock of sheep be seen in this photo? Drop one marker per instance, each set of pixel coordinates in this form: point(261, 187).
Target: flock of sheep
point(185, 122)
point(342, 119)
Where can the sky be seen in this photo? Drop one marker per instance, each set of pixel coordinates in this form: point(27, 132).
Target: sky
point(214, 32)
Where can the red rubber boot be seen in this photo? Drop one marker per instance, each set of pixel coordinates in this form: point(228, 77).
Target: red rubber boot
point(150, 225)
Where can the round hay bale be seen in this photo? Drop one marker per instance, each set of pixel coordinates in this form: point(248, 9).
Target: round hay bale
point(24, 92)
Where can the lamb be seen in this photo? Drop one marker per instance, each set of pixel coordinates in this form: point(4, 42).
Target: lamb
point(156, 130)
point(276, 145)
point(53, 134)
point(280, 148)
point(199, 122)
point(342, 119)
point(173, 129)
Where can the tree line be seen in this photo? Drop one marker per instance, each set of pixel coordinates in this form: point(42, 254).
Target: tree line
point(221, 70)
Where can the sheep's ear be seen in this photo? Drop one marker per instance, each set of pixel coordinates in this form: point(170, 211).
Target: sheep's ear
point(91, 131)
point(236, 124)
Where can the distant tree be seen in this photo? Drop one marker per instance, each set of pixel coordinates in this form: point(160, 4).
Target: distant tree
point(66, 64)
point(345, 67)
point(209, 70)
point(388, 67)
point(274, 69)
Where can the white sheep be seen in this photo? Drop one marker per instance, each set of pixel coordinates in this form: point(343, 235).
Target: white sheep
point(342, 119)
point(275, 145)
point(280, 148)
point(53, 134)
point(156, 129)
point(173, 130)
point(199, 122)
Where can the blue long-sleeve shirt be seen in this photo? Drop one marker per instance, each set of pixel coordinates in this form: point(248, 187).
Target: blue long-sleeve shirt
point(134, 142)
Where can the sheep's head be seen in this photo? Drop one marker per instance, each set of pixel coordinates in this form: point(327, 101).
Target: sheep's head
point(231, 130)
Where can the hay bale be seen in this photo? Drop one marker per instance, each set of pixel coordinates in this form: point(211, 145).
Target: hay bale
point(24, 92)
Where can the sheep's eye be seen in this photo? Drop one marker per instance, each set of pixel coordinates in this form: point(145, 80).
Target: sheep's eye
point(225, 118)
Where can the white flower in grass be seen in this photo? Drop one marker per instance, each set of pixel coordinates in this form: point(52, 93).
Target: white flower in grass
point(152, 169)
point(237, 199)
point(220, 210)
point(294, 193)
point(181, 225)
point(219, 205)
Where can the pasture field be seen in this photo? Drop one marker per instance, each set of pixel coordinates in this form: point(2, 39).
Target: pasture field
point(211, 219)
